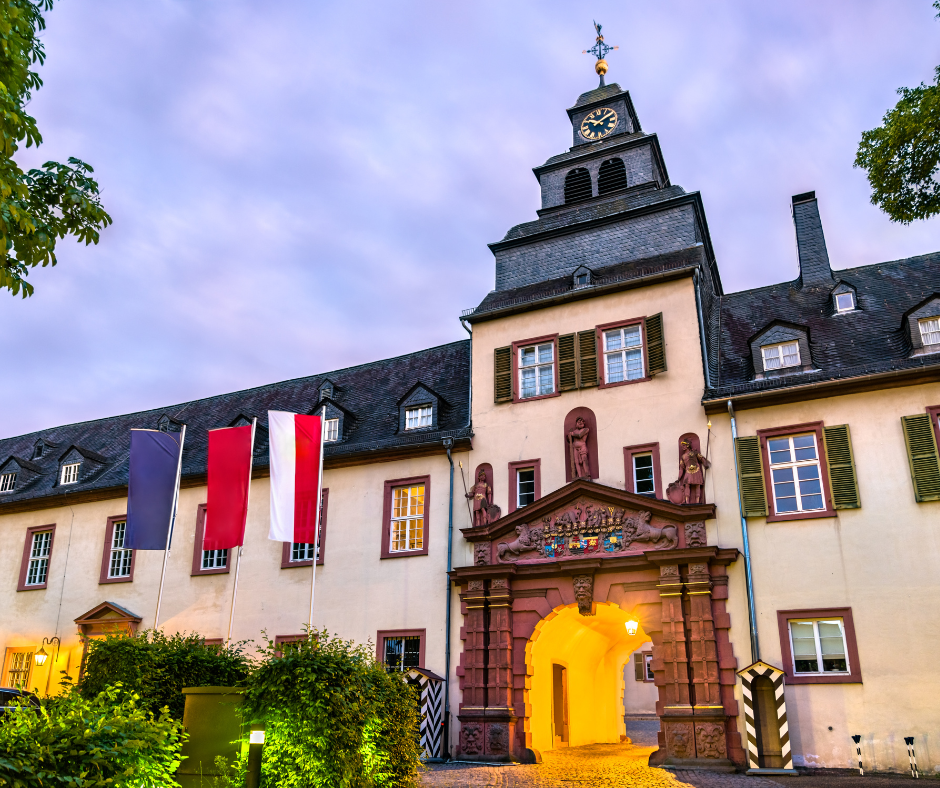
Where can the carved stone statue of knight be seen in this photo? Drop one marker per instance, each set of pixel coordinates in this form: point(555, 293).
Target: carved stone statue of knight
point(689, 487)
point(482, 496)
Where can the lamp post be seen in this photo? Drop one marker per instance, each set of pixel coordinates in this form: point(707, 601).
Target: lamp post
point(255, 749)
point(41, 656)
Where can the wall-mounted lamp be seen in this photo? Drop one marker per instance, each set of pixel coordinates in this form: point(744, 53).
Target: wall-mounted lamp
point(41, 656)
point(632, 627)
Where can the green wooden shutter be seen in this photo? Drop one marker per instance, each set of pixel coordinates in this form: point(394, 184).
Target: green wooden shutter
point(655, 344)
point(639, 667)
point(502, 379)
point(751, 476)
point(842, 480)
point(587, 359)
point(922, 454)
point(567, 363)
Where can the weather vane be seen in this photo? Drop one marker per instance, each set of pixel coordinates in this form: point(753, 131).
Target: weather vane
point(599, 50)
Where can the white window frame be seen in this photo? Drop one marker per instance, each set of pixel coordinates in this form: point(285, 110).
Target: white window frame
point(37, 570)
point(536, 367)
point(841, 309)
point(819, 654)
point(69, 474)
point(636, 478)
point(331, 431)
point(519, 472)
point(794, 464)
point(419, 417)
point(120, 558)
point(776, 353)
point(625, 353)
point(412, 522)
point(8, 482)
point(929, 329)
point(302, 551)
point(213, 559)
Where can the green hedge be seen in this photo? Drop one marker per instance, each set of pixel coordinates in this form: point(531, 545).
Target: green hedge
point(77, 742)
point(157, 667)
point(333, 717)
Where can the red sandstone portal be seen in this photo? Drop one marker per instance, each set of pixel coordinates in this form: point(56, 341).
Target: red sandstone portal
point(584, 559)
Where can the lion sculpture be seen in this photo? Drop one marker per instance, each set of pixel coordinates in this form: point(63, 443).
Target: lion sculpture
point(637, 528)
point(527, 539)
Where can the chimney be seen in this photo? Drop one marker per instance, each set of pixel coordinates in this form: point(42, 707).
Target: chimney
point(810, 242)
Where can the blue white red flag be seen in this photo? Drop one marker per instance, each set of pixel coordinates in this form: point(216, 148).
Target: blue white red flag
point(152, 487)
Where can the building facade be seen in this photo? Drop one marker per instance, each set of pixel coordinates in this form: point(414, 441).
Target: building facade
point(676, 503)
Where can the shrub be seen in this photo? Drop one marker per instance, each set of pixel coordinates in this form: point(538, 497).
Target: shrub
point(77, 742)
point(157, 667)
point(333, 717)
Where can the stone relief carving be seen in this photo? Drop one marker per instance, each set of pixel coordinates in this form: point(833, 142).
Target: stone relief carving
point(484, 510)
point(710, 739)
point(698, 569)
point(499, 584)
point(688, 488)
point(585, 528)
point(472, 734)
point(669, 570)
point(679, 743)
point(583, 586)
point(578, 443)
point(497, 738)
point(474, 585)
point(481, 553)
point(695, 535)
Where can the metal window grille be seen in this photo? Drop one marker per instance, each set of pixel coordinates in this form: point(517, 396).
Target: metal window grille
point(402, 653)
point(786, 354)
point(930, 330)
point(794, 468)
point(819, 646)
point(623, 354)
point(7, 482)
point(643, 482)
point(418, 417)
point(120, 561)
point(525, 487)
point(407, 518)
point(332, 430)
point(214, 559)
point(18, 672)
point(70, 473)
point(38, 568)
point(845, 302)
point(537, 370)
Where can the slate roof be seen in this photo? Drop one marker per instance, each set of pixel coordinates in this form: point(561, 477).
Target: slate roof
point(591, 148)
point(369, 394)
point(598, 94)
point(871, 340)
point(499, 300)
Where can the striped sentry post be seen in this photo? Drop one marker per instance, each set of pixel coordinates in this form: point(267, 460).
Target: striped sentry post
point(776, 676)
point(858, 750)
point(909, 741)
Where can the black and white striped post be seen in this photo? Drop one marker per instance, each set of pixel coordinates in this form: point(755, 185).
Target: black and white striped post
point(858, 749)
point(909, 741)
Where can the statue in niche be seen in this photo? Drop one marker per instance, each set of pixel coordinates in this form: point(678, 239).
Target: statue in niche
point(482, 496)
point(578, 443)
point(688, 488)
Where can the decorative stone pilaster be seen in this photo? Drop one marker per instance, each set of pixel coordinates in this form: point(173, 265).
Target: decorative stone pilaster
point(675, 690)
point(703, 650)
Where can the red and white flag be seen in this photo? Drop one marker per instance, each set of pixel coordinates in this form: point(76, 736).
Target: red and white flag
point(229, 478)
point(295, 476)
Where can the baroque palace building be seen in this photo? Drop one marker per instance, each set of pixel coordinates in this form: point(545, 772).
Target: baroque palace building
point(678, 502)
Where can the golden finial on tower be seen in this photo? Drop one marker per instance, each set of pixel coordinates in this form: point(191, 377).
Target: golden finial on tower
point(599, 50)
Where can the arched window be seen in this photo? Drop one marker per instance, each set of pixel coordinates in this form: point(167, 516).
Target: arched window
point(613, 176)
point(578, 185)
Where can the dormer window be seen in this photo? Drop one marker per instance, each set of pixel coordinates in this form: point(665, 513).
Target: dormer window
point(37, 452)
point(580, 280)
point(331, 433)
point(786, 354)
point(7, 482)
point(929, 330)
point(844, 302)
point(416, 418)
point(70, 473)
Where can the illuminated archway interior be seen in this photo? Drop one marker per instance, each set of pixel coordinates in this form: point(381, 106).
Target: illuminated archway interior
point(578, 661)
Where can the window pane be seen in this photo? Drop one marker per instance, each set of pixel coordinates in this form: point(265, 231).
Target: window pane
point(614, 367)
point(844, 302)
point(7, 482)
point(631, 336)
point(527, 356)
point(643, 474)
point(612, 340)
point(634, 364)
point(804, 447)
point(545, 354)
point(412, 652)
point(779, 450)
point(791, 354)
point(771, 357)
point(525, 486)
point(394, 651)
point(528, 383)
point(546, 380)
point(930, 331)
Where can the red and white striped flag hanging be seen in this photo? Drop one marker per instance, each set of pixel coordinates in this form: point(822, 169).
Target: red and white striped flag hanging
point(295, 447)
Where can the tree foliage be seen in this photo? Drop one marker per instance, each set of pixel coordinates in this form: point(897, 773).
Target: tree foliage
point(157, 667)
point(98, 742)
point(41, 206)
point(902, 156)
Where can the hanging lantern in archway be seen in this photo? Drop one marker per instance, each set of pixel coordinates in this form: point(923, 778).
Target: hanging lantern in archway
point(632, 627)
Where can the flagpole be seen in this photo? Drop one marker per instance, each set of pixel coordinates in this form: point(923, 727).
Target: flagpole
point(169, 533)
point(316, 537)
point(238, 555)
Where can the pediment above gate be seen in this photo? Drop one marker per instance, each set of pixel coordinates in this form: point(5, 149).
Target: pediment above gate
point(586, 519)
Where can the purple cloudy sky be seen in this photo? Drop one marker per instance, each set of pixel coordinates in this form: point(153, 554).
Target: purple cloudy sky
point(302, 186)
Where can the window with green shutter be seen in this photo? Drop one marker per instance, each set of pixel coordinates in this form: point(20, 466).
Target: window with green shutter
point(567, 363)
point(751, 476)
point(587, 359)
point(842, 479)
point(502, 378)
point(655, 344)
point(922, 455)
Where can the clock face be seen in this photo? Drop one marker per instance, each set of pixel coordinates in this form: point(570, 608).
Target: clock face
point(599, 123)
